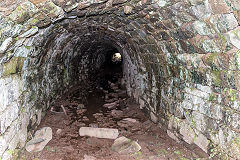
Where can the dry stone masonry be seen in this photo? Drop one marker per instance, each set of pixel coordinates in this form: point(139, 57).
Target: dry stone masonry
point(181, 62)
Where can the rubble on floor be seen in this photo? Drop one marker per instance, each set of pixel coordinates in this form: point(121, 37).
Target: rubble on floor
point(108, 126)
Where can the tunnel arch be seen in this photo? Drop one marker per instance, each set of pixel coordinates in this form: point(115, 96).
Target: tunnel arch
point(180, 62)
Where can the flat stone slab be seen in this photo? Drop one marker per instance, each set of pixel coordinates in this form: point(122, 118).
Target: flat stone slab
point(111, 105)
point(124, 145)
point(108, 133)
point(40, 140)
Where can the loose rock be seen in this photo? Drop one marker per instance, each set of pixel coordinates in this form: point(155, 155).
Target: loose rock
point(40, 140)
point(80, 106)
point(111, 100)
point(127, 9)
point(108, 133)
point(86, 157)
point(126, 122)
point(124, 145)
point(116, 113)
point(93, 125)
point(110, 105)
point(59, 131)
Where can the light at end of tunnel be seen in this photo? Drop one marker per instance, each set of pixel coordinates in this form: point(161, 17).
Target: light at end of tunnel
point(117, 57)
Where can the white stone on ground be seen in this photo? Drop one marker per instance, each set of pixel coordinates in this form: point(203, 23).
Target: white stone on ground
point(108, 133)
point(110, 105)
point(40, 140)
point(86, 157)
point(130, 120)
point(59, 131)
point(124, 145)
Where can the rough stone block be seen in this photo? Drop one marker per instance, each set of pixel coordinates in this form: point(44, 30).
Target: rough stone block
point(40, 140)
point(202, 142)
point(234, 37)
point(173, 136)
point(124, 145)
point(200, 11)
point(108, 133)
point(219, 6)
point(153, 117)
point(187, 132)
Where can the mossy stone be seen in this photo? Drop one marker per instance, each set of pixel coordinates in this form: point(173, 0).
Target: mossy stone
point(13, 66)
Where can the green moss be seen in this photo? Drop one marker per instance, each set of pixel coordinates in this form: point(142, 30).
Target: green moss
point(223, 41)
point(33, 21)
point(13, 66)
point(19, 8)
point(216, 75)
point(22, 110)
point(27, 47)
point(14, 153)
point(194, 138)
point(211, 58)
point(237, 57)
point(231, 94)
point(237, 142)
point(236, 33)
point(194, 125)
point(178, 152)
point(211, 97)
point(20, 11)
point(162, 152)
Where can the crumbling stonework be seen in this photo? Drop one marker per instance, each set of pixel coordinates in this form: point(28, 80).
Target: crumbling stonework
point(181, 62)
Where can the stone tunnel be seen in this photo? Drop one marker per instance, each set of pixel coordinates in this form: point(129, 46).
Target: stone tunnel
point(181, 63)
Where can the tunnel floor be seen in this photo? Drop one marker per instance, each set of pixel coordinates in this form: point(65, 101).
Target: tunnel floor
point(92, 111)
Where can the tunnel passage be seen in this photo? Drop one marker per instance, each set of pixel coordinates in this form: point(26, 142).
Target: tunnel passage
point(180, 62)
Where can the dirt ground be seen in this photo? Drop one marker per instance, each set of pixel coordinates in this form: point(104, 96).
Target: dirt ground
point(67, 144)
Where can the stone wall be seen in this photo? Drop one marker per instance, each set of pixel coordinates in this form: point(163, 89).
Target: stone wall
point(180, 62)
